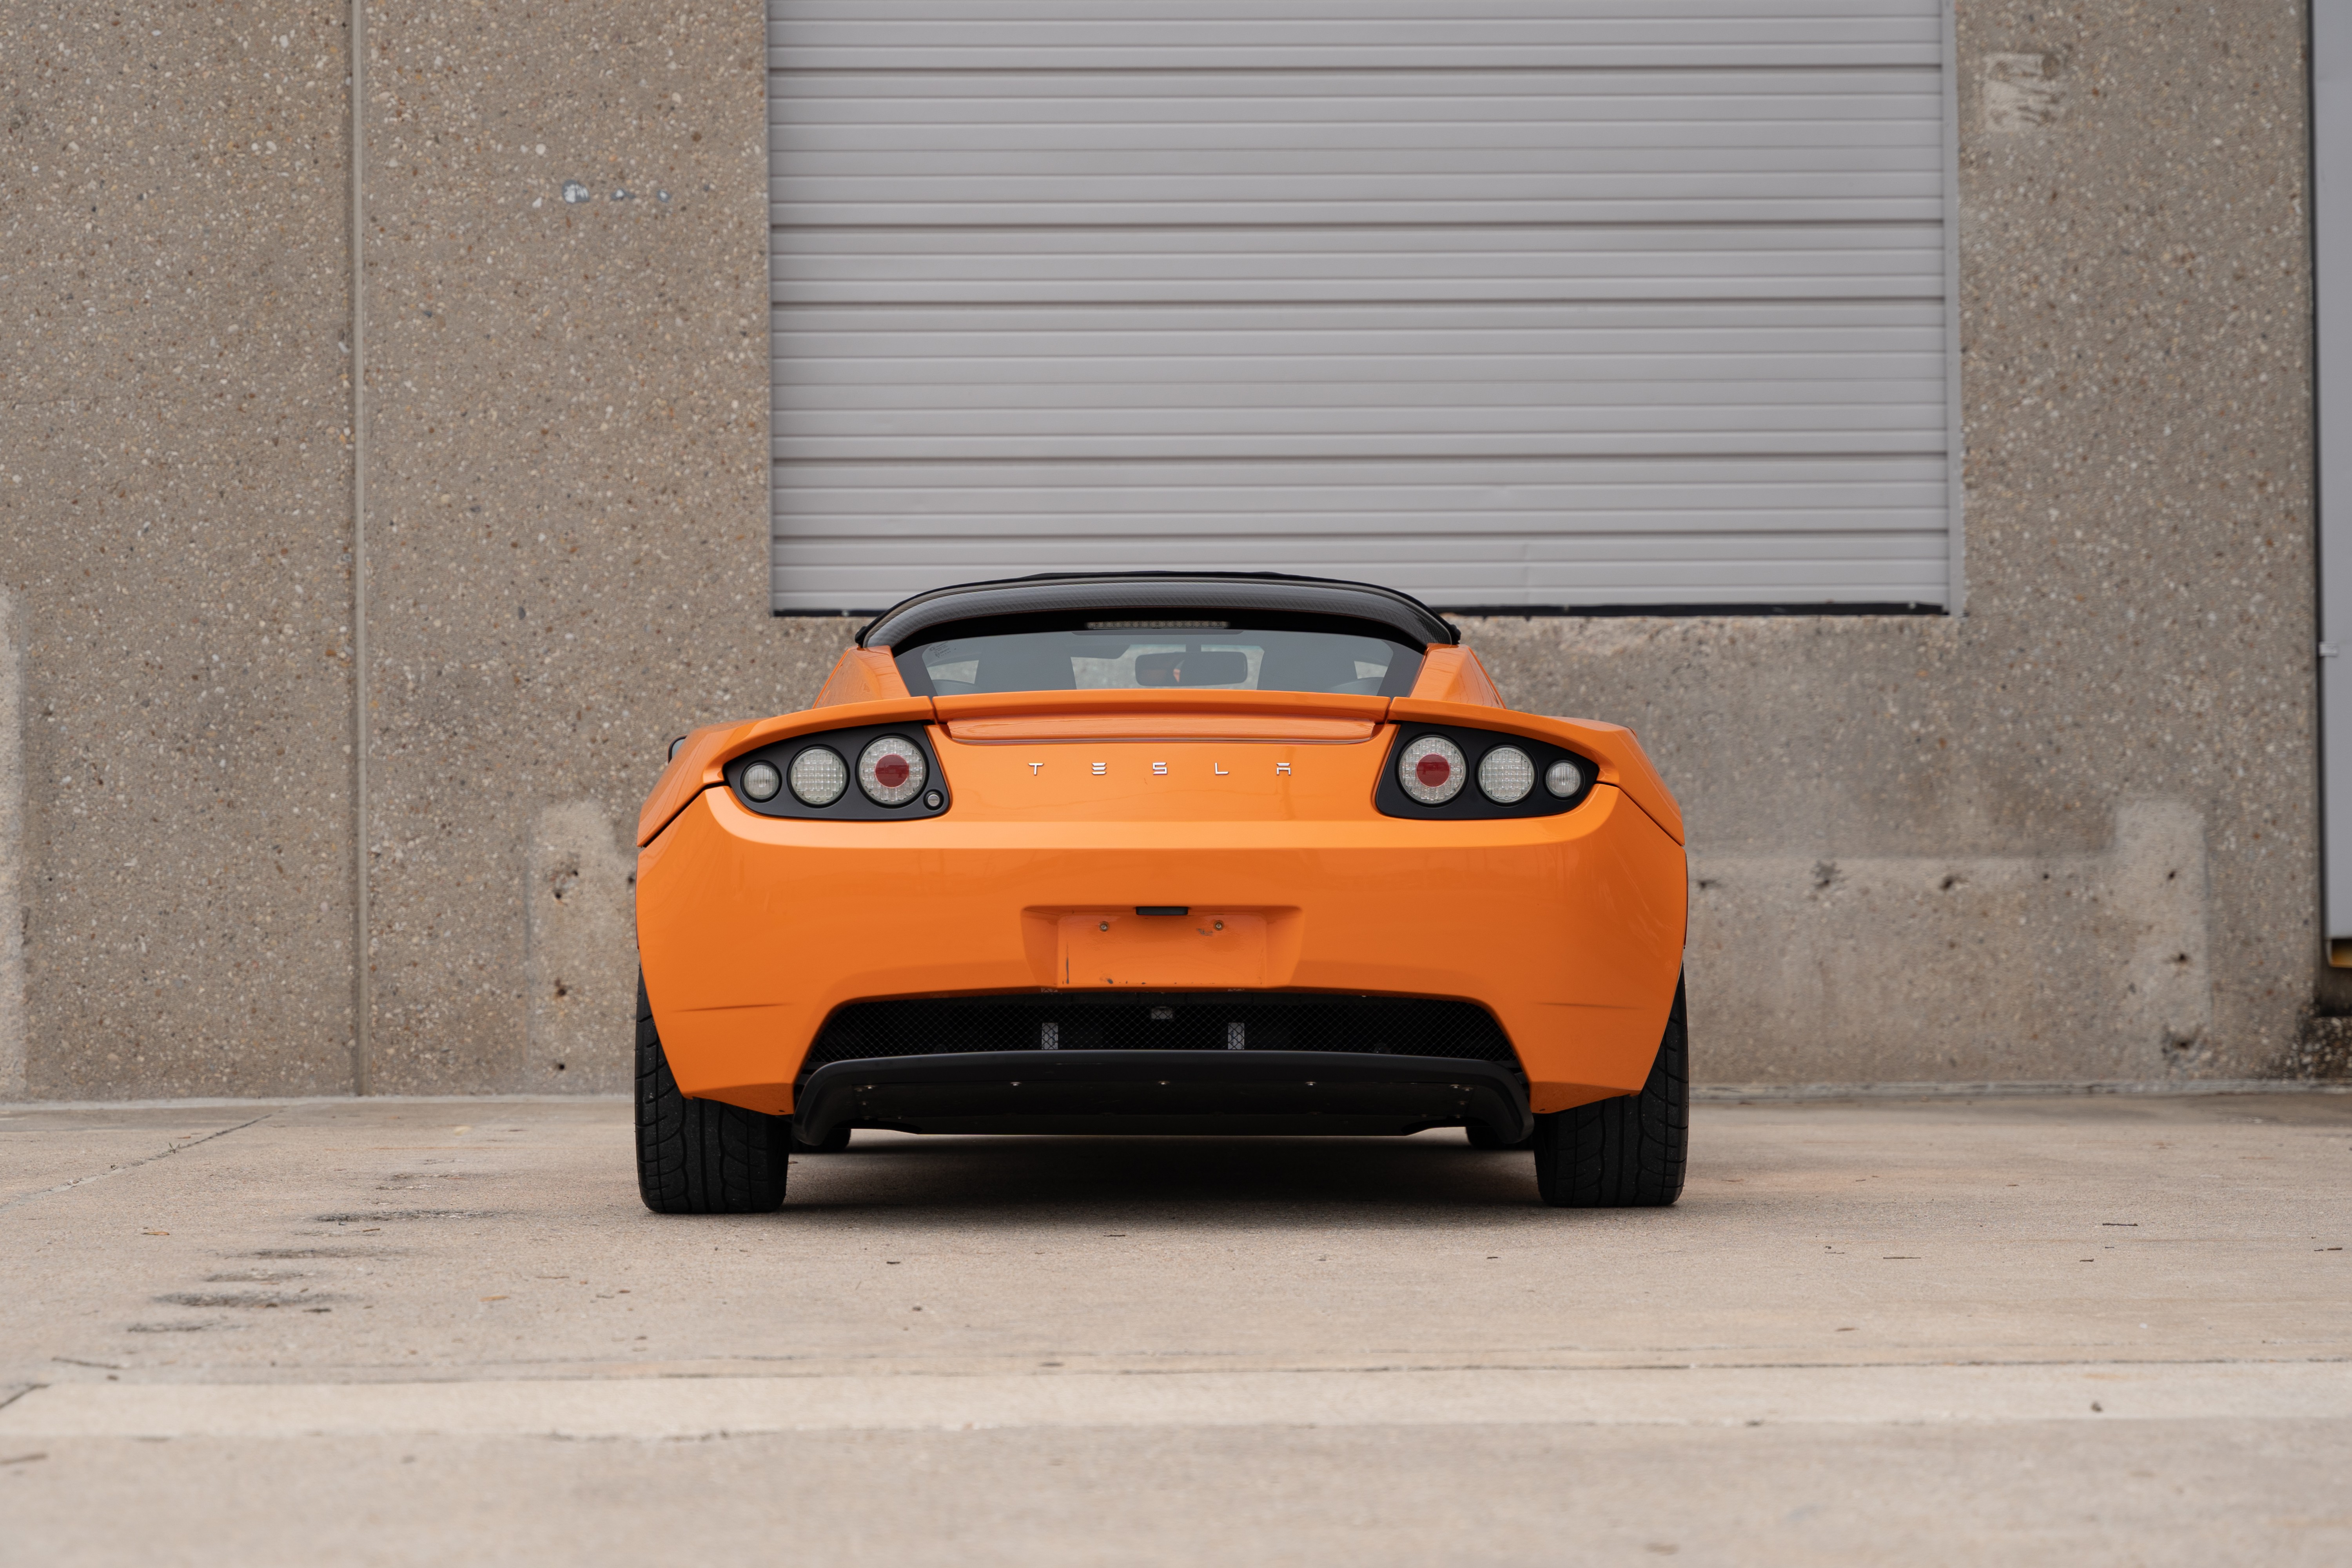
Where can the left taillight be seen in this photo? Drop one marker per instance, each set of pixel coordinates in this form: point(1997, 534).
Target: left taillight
point(809, 777)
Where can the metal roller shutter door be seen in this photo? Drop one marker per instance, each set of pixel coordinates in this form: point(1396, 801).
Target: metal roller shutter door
point(1557, 302)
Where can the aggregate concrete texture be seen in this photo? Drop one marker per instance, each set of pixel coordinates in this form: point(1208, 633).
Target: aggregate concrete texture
point(175, 435)
point(2072, 834)
point(2101, 1330)
point(568, 497)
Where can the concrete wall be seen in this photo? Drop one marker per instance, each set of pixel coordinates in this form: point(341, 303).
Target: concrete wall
point(2070, 835)
point(173, 424)
point(568, 501)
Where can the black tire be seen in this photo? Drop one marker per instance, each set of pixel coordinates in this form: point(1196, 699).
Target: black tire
point(1482, 1136)
point(834, 1143)
point(698, 1156)
point(1626, 1152)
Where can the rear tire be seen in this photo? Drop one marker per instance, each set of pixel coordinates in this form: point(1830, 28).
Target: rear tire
point(699, 1156)
point(1626, 1152)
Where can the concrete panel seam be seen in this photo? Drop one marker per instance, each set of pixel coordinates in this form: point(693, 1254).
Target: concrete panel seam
point(14, 1066)
point(362, 993)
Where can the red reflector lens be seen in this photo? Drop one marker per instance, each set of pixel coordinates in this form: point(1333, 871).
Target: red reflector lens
point(1432, 769)
point(890, 770)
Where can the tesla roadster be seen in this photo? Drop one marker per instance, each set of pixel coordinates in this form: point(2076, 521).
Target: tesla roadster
point(1160, 852)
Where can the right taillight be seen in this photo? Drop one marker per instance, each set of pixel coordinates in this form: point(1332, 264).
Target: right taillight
point(1431, 767)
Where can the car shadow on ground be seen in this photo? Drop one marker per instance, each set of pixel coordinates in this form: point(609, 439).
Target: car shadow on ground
point(1077, 1175)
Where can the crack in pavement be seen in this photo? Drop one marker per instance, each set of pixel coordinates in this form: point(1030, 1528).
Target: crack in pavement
point(164, 1154)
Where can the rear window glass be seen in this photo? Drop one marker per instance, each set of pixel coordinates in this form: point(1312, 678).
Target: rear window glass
point(1191, 656)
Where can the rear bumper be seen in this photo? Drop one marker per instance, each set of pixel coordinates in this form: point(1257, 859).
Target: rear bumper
point(1160, 1092)
point(754, 931)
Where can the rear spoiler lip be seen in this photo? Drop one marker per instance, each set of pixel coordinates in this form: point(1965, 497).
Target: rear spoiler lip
point(1135, 699)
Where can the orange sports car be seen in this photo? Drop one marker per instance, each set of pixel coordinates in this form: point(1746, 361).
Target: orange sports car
point(1160, 852)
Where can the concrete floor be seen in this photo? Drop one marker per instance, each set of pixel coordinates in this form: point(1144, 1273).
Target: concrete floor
point(2113, 1330)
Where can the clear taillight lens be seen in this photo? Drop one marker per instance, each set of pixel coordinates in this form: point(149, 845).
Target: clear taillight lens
point(819, 775)
point(1507, 773)
point(761, 781)
point(1431, 770)
point(891, 771)
point(1563, 779)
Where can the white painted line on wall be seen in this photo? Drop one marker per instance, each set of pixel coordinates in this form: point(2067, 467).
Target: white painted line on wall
point(699, 1407)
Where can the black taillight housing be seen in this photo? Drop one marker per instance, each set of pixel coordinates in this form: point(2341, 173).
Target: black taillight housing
point(1485, 769)
point(819, 777)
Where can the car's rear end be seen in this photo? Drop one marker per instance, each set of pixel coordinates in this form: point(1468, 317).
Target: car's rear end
point(1160, 853)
